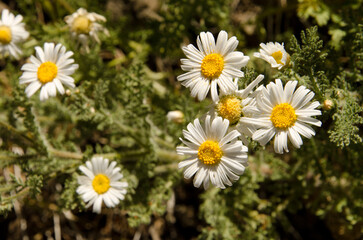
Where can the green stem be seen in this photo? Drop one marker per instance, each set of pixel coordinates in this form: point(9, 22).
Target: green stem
point(42, 139)
point(164, 143)
point(168, 156)
point(316, 158)
point(163, 155)
point(15, 196)
point(315, 85)
point(65, 154)
point(7, 188)
point(166, 168)
point(27, 137)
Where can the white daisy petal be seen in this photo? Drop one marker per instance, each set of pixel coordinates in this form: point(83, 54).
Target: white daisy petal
point(221, 41)
point(199, 177)
point(233, 72)
point(287, 116)
point(223, 176)
point(230, 46)
point(218, 158)
point(294, 137)
point(43, 94)
point(45, 71)
point(235, 166)
point(280, 142)
point(32, 88)
point(263, 136)
point(101, 184)
point(191, 145)
point(191, 170)
point(97, 205)
point(214, 92)
point(234, 147)
point(51, 89)
point(229, 137)
point(193, 54)
point(274, 53)
point(196, 130)
point(308, 112)
point(205, 86)
point(59, 86)
point(87, 171)
point(14, 34)
point(304, 129)
point(186, 151)
point(192, 138)
point(252, 85)
point(220, 127)
point(84, 25)
point(289, 90)
point(232, 176)
point(206, 182)
point(212, 64)
point(40, 53)
point(310, 120)
point(187, 162)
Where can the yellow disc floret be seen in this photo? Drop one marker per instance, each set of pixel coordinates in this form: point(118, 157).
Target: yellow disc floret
point(229, 107)
point(210, 153)
point(212, 65)
point(81, 25)
point(277, 56)
point(5, 35)
point(47, 71)
point(283, 116)
point(101, 183)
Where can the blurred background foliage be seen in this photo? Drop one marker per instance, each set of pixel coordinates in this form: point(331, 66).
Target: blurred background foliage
point(125, 88)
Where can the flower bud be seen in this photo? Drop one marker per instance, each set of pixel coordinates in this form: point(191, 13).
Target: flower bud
point(328, 104)
point(175, 116)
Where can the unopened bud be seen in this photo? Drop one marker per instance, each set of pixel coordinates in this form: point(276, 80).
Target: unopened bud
point(76, 91)
point(328, 104)
point(68, 92)
point(17, 150)
point(175, 116)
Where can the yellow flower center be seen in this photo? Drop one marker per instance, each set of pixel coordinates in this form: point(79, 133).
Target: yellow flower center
point(101, 183)
point(47, 71)
point(81, 25)
point(283, 116)
point(229, 107)
point(212, 65)
point(210, 153)
point(5, 35)
point(277, 56)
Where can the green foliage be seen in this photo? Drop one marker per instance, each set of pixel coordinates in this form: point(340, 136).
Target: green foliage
point(346, 120)
point(308, 59)
point(125, 87)
point(35, 184)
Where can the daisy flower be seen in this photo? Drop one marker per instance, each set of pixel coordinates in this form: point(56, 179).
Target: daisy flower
point(84, 24)
point(101, 183)
point(274, 53)
point(234, 104)
point(214, 63)
point(12, 33)
point(284, 112)
point(215, 156)
point(48, 71)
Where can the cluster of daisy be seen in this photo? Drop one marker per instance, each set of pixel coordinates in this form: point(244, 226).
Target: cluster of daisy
point(49, 70)
point(52, 66)
point(217, 149)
